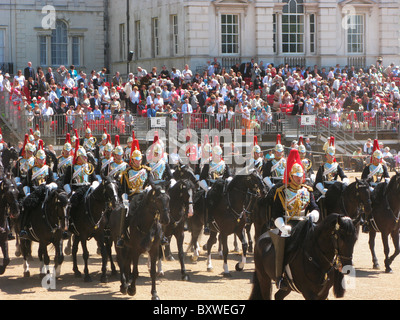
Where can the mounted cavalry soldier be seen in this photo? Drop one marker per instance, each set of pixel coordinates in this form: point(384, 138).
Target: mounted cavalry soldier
point(377, 175)
point(99, 154)
point(205, 156)
point(89, 141)
point(80, 174)
point(257, 157)
point(329, 172)
point(66, 157)
point(117, 165)
point(274, 169)
point(134, 180)
point(25, 162)
point(36, 136)
point(158, 163)
point(106, 160)
point(307, 164)
point(128, 148)
point(39, 174)
point(212, 171)
point(293, 201)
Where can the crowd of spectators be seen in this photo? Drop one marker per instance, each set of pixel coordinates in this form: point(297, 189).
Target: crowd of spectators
point(247, 95)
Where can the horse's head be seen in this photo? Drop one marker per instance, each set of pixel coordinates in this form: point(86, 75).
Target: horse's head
point(159, 203)
point(344, 236)
point(184, 190)
point(394, 183)
point(110, 191)
point(9, 193)
point(363, 194)
point(57, 205)
point(254, 183)
point(184, 172)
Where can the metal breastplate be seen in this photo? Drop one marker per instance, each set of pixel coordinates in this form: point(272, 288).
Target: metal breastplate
point(101, 151)
point(296, 203)
point(136, 180)
point(217, 169)
point(331, 169)
point(63, 164)
point(376, 170)
point(306, 164)
point(279, 171)
point(25, 165)
point(117, 168)
point(158, 169)
point(127, 153)
point(105, 162)
point(80, 175)
point(39, 175)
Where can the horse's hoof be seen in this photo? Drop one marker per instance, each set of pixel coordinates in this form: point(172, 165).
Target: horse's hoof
point(376, 266)
point(87, 278)
point(388, 270)
point(27, 274)
point(239, 267)
point(114, 273)
point(17, 253)
point(185, 277)
point(67, 251)
point(170, 258)
point(155, 297)
point(77, 274)
point(2, 270)
point(131, 291)
point(161, 274)
point(227, 275)
point(209, 269)
point(104, 279)
point(194, 258)
point(123, 290)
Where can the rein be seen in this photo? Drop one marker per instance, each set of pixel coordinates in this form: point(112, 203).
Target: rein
point(239, 215)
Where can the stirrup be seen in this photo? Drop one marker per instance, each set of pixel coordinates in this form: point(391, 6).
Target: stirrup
point(281, 284)
point(120, 242)
point(23, 234)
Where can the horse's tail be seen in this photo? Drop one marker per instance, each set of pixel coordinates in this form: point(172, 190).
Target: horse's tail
point(338, 289)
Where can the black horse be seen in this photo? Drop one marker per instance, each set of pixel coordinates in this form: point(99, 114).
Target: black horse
point(230, 205)
point(144, 235)
point(8, 155)
point(385, 219)
point(9, 207)
point(87, 220)
point(46, 222)
point(181, 206)
point(314, 257)
point(350, 201)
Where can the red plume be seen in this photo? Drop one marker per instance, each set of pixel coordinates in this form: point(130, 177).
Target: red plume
point(332, 141)
point(206, 139)
point(31, 131)
point(216, 141)
point(25, 142)
point(156, 137)
point(68, 138)
point(255, 140)
point(37, 127)
point(294, 157)
point(1, 131)
point(108, 138)
point(301, 141)
point(278, 139)
point(76, 133)
point(376, 146)
point(105, 130)
point(76, 149)
point(133, 134)
point(116, 141)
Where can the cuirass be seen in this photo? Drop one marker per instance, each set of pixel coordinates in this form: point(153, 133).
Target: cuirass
point(327, 167)
point(117, 168)
point(80, 174)
point(25, 165)
point(279, 171)
point(296, 202)
point(217, 169)
point(136, 179)
point(63, 164)
point(39, 175)
point(158, 169)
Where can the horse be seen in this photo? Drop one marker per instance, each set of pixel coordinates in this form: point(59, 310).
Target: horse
point(9, 207)
point(385, 216)
point(8, 155)
point(46, 223)
point(143, 235)
point(348, 200)
point(181, 206)
point(314, 258)
point(230, 205)
point(87, 220)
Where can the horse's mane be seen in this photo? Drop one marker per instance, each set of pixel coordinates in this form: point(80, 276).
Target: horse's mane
point(298, 236)
point(35, 198)
point(79, 195)
point(379, 193)
point(333, 194)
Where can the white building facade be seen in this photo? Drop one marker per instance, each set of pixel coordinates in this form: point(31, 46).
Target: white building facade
point(303, 32)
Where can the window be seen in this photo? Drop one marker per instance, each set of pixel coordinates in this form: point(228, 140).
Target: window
point(230, 34)
point(59, 44)
point(355, 34)
point(155, 42)
point(122, 47)
point(76, 51)
point(274, 33)
point(175, 34)
point(43, 50)
point(312, 33)
point(2, 45)
point(138, 43)
point(293, 27)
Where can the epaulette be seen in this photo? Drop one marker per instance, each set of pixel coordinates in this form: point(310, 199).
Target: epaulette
point(146, 167)
point(279, 190)
point(310, 189)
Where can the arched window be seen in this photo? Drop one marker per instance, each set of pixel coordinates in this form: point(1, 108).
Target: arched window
point(59, 44)
point(293, 27)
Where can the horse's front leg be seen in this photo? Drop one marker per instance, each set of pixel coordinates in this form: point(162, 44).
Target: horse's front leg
point(181, 255)
point(6, 258)
point(135, 274)
point(371, 242)
point(242, 236)
point(224, 241)
point(395, 239)
point(85, 255)
point(153, 272)
point(59, 257)
point(211, 241)
point(74, 252)
point(104, 257)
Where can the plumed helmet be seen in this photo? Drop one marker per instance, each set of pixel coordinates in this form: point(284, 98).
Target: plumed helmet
point(40, 154)
point(118, 149)
point(37, 132)
point(104, 135)
point(88, 130)
point(376, 152)
point(293, 166)
point(331, 147)
point(1, 135)
point(217, 150)
point(135, 150)
point(67, 145)
point(279, 146)
point(131, 138)
point(256, 147)
point(207, 146)
point(108, 147)
point(302, 148)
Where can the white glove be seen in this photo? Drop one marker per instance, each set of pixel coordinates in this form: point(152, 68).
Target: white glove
point(387, 180)
point(125, 201)
point(284, 228)
point(94, 185)
point(346, 181)
point(67, 188)
point(229, 179)
point(313, 216)
point(173, 182)
point(321, 188)
point(268, 182)
point(203, 185)
point(52, 186)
